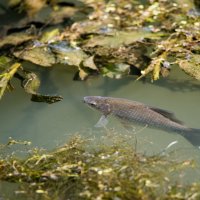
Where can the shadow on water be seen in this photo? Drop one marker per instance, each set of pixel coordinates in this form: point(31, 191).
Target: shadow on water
point(109, 84)
point(171, 84)
point(178, 85)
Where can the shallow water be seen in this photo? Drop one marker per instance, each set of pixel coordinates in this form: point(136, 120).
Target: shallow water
point(50, 125)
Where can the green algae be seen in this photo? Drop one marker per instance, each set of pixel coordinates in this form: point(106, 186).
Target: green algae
point(85, 168)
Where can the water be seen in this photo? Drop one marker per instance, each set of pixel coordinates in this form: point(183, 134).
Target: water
point(50, 125)
point(47, 125)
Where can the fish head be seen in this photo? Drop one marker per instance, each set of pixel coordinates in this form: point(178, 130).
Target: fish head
point(99, 103)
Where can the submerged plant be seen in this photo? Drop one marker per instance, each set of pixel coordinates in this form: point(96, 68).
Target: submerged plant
point(88, 169)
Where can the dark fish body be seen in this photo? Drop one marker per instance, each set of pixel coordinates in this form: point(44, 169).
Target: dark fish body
point(129, 112)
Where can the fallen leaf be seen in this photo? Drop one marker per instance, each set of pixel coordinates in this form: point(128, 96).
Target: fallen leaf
point(89, 62)
point(40, 55)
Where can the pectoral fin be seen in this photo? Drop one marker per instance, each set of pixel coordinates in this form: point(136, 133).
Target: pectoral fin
point(103, 121)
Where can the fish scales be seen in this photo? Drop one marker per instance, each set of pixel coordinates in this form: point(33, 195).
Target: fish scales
point(135, 112)
point(129, 112)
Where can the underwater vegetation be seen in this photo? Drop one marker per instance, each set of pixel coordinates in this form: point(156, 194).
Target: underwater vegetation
point(91, 169)
point(112, 38)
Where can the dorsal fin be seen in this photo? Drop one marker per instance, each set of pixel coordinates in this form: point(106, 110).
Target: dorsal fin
point(167, 114)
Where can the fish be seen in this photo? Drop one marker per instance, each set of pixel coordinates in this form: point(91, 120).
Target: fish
point(130, 112)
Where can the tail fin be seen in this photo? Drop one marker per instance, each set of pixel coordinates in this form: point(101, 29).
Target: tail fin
point(193, 136)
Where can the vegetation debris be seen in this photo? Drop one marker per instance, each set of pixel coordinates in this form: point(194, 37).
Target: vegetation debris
point(112, 38)
point(89, 169)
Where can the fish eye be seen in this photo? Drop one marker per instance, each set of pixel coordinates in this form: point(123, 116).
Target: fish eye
point(93, 103)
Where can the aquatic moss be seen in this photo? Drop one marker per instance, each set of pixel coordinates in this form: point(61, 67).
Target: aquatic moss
point(88, 169)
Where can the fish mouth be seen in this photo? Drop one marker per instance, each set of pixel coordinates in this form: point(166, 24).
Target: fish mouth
point(88, 99)
point(85, 100)
point(91, 99)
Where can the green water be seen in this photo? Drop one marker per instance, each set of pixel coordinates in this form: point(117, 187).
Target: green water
point(48, 126)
